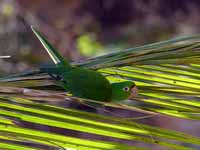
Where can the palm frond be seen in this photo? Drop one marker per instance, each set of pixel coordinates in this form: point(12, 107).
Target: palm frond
point(174, 90)
point(166, 74)
point(24, 110)
point(157, 53)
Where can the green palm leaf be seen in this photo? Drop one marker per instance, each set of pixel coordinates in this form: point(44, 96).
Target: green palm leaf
point(166, 73)
point(48, 115)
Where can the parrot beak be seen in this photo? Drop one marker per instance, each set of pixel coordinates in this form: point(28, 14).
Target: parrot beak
point(134, 92)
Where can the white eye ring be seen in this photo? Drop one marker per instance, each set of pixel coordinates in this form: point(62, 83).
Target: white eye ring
point(126, 89)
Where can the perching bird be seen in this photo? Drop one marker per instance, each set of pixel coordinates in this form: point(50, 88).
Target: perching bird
point(82, 82)
point(79, 81)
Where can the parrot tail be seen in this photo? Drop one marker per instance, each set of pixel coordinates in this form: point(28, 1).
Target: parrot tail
point(53, 53)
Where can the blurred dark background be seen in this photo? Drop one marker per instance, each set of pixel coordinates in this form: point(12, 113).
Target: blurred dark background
point(85, 28)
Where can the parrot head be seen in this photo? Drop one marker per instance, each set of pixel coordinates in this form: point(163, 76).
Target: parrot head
point(123, 90)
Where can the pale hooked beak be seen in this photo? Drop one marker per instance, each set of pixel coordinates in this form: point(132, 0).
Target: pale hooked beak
point(134, 92)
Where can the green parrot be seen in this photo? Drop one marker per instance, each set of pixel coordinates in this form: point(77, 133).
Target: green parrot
point(82, 82)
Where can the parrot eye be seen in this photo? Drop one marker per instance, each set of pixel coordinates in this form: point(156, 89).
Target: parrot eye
point(126, 89)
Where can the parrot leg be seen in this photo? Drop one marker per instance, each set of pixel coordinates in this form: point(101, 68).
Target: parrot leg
point(55, 77)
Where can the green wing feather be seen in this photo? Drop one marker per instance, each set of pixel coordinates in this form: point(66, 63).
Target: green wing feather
point(86, 83)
